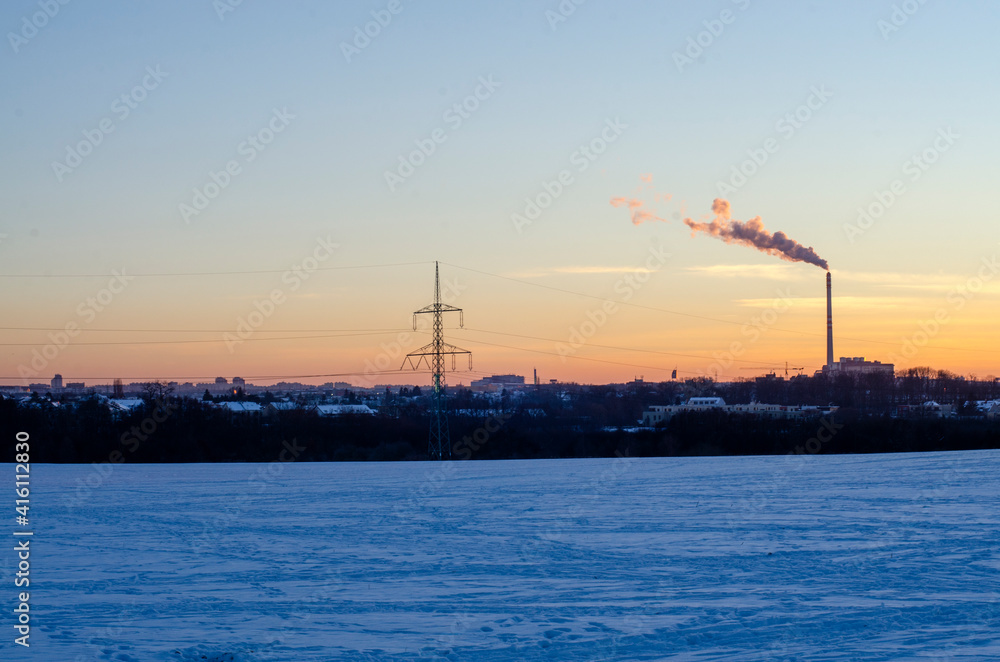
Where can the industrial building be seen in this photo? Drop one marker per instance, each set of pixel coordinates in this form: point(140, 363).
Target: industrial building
point(661, 413)
point(857, 365)
point(497, 382)
point(848, 365)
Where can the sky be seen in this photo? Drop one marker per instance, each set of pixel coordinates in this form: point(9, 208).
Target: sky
point(272, 182)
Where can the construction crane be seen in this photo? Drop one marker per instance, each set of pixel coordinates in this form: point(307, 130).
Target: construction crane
point(771, 368)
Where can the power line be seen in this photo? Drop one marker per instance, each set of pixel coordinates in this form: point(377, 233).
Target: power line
point(364, 373)
point(188, 342)
point(215, 273)
point(624, 349)
point(578, 358)
point(191, 378)
point(693, 316)
point(88, 329)
point(374, 332)
point(402, 264)
point(606, 299)
point(331, 374)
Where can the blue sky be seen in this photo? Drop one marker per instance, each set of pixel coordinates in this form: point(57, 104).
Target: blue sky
point(559, 84)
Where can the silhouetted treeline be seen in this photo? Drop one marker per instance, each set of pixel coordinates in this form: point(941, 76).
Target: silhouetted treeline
point(590, 423)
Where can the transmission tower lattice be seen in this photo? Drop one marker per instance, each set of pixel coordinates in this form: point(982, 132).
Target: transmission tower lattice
point(432, 355)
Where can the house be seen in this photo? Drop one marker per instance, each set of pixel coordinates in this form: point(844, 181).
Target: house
point(275, 408)
point(240, 408)
point(985, 406)
point(35, 403)
point(933, 409)
point(341, 410)
point(123, 406)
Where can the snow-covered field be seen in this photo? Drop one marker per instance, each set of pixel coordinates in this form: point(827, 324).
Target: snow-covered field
point(883, 557)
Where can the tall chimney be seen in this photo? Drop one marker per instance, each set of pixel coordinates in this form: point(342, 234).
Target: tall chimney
point(829, 324)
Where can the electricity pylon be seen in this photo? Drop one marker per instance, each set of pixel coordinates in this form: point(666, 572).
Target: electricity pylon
point(439, 441)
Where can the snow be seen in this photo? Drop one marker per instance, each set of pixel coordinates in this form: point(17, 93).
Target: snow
point(879, 557)
point(340, 410)
point(240, 407)
point(125, 404)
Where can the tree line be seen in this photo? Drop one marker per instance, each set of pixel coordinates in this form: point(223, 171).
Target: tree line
point(550, 422)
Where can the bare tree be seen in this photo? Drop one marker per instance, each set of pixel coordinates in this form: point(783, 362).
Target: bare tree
point(156, 391)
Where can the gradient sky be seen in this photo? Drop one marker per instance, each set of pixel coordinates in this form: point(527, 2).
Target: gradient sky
point(560, 83)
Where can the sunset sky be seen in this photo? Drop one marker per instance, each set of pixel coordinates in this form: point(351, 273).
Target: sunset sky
point(844, 105)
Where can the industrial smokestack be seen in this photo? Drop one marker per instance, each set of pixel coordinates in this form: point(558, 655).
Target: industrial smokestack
point(829, 324)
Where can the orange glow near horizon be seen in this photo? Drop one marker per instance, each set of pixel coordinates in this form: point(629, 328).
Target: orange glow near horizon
point(567, 338)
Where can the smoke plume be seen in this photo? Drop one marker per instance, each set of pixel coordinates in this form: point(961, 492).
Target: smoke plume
point(635, 205)
point(753, 234)
point(638, 214)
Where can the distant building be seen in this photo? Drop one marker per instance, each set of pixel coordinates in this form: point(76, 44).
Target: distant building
point(221, 380)
point(705, 403)
point(239, 381)
point(661, 413)
point(215, 388)
point(497, 382)
point(57, 383)
point(858, 366)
